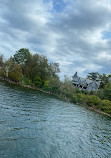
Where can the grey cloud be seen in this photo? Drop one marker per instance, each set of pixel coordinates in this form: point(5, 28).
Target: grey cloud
point(71, 37)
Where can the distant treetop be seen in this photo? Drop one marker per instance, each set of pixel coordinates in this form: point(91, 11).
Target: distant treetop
point(21, 56)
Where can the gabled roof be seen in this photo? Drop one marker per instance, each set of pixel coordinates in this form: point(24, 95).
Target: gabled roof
point(75, 75)
point(89, 81)
point(83, 81)
point(98, 83)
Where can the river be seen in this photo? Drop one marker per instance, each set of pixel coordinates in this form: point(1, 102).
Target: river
point(35, 125)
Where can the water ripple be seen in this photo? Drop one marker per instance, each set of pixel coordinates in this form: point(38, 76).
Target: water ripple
point(36, 125)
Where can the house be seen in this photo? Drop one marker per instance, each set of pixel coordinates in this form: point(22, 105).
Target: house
point(85, 84)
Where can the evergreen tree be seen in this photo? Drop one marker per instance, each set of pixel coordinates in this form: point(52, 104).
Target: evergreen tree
point(21, 56)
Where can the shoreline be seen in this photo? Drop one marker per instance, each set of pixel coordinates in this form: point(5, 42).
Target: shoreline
point(56, 96)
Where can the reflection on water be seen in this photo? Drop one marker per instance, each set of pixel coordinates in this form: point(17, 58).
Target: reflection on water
point(34, 125)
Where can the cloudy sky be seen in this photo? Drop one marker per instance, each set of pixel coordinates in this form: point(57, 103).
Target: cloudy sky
point(74, 33)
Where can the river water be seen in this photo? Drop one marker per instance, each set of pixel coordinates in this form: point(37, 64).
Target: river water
point(35, 125)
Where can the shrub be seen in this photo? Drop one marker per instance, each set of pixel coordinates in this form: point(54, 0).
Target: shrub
point(78, 98)
point(92, 100)
point(26, 81)
point(106, 106)
point(38, 81)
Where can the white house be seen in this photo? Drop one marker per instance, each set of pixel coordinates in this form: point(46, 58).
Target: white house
point(85, 84)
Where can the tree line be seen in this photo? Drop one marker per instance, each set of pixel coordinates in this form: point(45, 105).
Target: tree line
point(35, 71)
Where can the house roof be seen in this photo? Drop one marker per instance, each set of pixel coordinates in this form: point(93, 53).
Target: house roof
point(83, 81)
point(89, 81)
point(75, 75)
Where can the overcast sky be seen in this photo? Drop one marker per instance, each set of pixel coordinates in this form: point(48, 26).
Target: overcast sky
point(74, 33)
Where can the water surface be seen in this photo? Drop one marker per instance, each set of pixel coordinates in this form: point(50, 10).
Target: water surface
point(35, 125)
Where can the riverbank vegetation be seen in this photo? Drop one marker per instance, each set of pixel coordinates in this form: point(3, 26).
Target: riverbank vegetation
point(35, 71)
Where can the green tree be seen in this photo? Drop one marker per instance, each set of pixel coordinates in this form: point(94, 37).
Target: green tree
point(104, 80)
point(66, 88)
point(21, 56)
point(54, 84)
point(1, 61)
point(16, 73)
point(93, 76)
point(11, 70)
point(107, 91)
point(36, 65)
point(54, 69)
point(2, 66)
point(38, 81)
